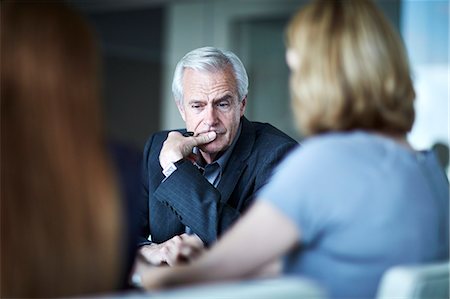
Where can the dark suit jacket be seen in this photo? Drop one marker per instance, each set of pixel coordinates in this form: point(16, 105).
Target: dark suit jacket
point(186, 198)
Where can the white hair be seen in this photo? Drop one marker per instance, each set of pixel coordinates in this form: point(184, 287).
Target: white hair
point(210, 59)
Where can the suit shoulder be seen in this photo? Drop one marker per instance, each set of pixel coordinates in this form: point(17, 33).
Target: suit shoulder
point(157, 137)
point(265, 132)
point(155, 141)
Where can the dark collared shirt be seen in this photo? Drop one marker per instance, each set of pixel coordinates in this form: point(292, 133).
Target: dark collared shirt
point(213, 172)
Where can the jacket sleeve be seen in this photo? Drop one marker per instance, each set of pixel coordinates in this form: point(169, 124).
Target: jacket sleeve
point(193, 200)
point(143, 205)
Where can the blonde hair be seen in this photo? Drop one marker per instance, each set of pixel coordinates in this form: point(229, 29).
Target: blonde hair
point(61, 220)
point(352, 70)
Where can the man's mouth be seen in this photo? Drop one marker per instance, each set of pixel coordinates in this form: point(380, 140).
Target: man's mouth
point(218, 131)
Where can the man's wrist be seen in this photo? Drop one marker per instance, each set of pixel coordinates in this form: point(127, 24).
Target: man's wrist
point(169, 169)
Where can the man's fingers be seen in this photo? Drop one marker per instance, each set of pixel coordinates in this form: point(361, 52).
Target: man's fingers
point(190, 253)
point(176, 240)
point(203, 138)
point(175, 256)
point(190, 142)
point(186, 251)
point(193, 241)
point(177, 147)
point(181, 249)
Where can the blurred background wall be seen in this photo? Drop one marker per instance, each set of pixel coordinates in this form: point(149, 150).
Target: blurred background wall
point(142, 40)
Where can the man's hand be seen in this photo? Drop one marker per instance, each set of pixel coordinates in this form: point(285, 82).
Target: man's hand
point(177, 147)
point(179, 249)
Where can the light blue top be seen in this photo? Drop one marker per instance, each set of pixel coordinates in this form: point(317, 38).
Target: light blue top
point(362, 203)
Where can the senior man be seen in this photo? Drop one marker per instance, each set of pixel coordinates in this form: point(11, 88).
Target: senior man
point(198, 181)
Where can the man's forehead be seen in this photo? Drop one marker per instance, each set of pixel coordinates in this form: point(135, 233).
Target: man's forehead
point(204, 80)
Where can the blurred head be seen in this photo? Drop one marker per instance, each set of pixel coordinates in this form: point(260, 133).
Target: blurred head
point(60, 215)
point(349, 70)
point(210, 89)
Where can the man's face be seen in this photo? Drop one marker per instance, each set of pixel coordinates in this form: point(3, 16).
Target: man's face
point(211, 103)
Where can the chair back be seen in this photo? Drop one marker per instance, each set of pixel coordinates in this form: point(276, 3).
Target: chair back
point(427, 281)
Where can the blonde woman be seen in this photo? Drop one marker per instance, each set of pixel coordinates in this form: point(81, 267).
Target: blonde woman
point(355, 199)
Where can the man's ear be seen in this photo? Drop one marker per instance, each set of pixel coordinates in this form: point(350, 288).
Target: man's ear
point(243, 104)
point(181, 110)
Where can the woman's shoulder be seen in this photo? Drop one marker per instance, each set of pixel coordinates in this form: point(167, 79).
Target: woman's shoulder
point(349, 142)
point(340, 150)
point(335, 143)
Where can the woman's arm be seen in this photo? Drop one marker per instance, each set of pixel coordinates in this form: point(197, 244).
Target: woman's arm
point(258, 238)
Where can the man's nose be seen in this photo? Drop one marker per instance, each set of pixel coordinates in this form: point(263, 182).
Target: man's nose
point(210, 118)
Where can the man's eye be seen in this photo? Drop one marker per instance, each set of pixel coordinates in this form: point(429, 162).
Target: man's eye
point(223, 105)
point(195, 106)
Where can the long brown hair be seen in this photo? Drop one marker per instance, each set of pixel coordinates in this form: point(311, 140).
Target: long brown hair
point(60, 217)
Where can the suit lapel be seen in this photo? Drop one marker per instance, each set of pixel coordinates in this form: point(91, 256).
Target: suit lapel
point(237, 162)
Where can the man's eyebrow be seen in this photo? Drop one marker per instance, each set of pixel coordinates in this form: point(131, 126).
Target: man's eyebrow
point(195, 102)
point(224, 98)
